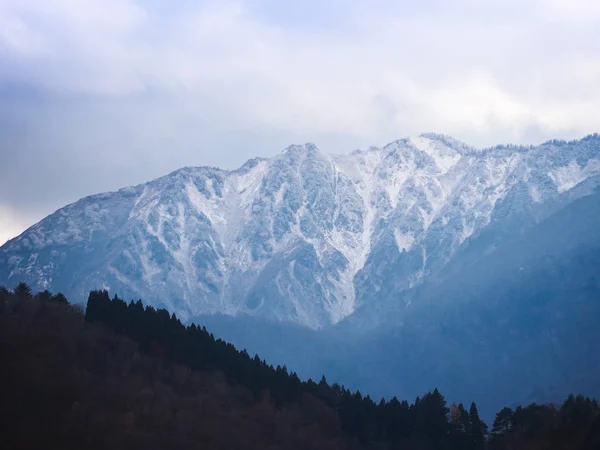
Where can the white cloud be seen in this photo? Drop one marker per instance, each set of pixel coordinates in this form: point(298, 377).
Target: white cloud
point(135, 88)
point(313, 80)
point(10, 224)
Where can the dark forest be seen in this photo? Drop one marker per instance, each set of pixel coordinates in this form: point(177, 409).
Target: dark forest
point(125, 375)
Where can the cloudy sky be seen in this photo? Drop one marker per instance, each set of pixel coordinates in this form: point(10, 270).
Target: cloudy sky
point(100, 94)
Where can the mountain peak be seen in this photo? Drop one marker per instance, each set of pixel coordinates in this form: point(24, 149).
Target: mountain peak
point(296, 148)
point(449, 141)
point(300, 237)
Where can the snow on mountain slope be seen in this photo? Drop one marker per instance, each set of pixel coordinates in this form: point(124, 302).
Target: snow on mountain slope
point(302, 237)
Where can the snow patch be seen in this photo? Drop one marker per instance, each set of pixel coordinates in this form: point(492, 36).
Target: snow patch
point(569, 176)
point(535, 193)
point(403, 241)
point(445, 157)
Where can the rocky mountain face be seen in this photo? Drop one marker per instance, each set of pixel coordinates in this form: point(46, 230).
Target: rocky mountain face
point(305, 237)
point(511, 319)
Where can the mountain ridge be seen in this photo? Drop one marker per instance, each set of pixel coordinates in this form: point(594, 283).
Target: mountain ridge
point(303, 236)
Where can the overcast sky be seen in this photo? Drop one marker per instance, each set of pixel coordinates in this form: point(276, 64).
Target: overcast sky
point(100, 94)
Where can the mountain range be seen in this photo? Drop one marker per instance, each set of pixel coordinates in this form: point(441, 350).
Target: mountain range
point(426, 253)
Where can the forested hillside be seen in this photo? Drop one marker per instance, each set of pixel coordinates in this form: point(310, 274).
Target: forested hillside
point(130, 376)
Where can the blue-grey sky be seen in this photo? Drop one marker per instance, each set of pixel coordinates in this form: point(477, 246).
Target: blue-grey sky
point(100, 94)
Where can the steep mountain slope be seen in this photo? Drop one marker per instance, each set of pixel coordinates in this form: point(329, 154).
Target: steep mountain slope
point(302, 237)
point(507, 326)
point(517, 322)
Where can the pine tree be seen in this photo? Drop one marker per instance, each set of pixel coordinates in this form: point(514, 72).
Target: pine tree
point(431, 418)
point(22, 290)
point(503, 421)
point(502, 426)
point(59, 298)
point(477, 429)
point(44, 296)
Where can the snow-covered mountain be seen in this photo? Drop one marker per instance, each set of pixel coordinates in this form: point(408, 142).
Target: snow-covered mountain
point(304, 236)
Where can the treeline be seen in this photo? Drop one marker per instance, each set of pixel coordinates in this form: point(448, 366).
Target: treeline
point(69, 384)
point(395, 422)
point(309, 414)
